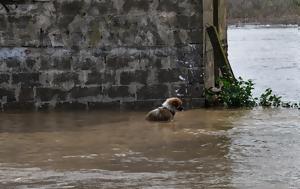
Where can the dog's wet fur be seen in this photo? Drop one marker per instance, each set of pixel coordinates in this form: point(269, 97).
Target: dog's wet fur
point(167, 111)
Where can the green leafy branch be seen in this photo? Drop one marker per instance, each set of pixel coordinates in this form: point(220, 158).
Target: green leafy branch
point(235, 93)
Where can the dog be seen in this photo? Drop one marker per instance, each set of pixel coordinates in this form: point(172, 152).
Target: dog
point(167, 111)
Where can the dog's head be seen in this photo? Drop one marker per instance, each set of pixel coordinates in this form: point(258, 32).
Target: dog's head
point(174, 104)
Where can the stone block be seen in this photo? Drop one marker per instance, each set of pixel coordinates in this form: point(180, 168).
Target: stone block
point(142, 105)
point(110, 77)
point(13, 63)
point(45, 94)
point(136, 5)
point(159, 91)
point(70, 8)
point(189, 56)
point(184, 37)
point(195, 36)
point(97, 8)
point(148, 61)
point(62, 63)
point(56, 63)
point(101, 78)
point(7, 95)
point(81, 92)
point(30, 64)
point(19, 106)
point(189, 22)
point(188, 90)
point(26, 79)
point(85, 64)
point(168, 6)
point(95, 78)
point(138, 76)
point(169, 75)
point(117, 61)
point(118, 92)
point(195, 75)
point(3, 23)
point(197, 91)
point(26, 94)
point(4, 78)
point(64, 77)
point(21, 21)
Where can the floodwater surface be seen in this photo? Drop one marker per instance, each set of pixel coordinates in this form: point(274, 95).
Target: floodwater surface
point(268, 55)
point(206, 148)
point(200, 149)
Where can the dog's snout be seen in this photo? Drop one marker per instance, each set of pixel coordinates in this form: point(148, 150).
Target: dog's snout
point(180, 108)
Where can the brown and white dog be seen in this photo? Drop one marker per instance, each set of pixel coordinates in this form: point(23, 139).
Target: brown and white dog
point(167, 111)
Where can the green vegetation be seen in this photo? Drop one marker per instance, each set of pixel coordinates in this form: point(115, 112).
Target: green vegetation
point(264, 11)
point(236, 93)
point(267, 99)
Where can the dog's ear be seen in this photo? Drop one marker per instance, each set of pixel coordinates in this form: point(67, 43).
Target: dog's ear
point(176, 102)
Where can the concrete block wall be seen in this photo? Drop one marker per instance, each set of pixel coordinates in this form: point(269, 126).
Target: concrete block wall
point(90, 54)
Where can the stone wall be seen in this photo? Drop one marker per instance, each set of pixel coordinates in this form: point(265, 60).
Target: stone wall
point(101, 53)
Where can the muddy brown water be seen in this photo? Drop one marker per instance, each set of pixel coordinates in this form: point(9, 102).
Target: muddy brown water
point(206, 148)
point(199, 149)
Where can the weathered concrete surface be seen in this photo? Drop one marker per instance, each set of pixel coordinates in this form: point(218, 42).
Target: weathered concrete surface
point(209, 12)
point(87, 53)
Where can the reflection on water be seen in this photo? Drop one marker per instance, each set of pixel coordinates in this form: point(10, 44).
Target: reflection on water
point(228, 149)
